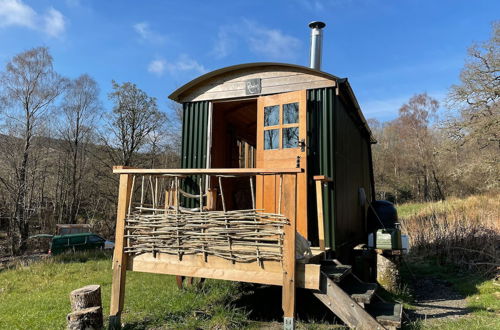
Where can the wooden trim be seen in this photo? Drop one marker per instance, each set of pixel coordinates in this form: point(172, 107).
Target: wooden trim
point(290, 211)
point(307, 275)
point(213, 171)
point(119, 257)
point(319, 205)
point(323, 178)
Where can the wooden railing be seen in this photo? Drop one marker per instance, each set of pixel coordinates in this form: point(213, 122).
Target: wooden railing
point(287, 209)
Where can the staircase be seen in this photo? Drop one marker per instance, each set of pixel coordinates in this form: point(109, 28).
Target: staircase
point(351, 299)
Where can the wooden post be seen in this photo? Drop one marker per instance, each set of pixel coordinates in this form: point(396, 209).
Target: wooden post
point(119, 257)
point(290, 211)
point(167, 198)
point(320, 181)
point(211, 199)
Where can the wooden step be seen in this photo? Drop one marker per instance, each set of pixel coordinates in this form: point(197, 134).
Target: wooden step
point(348, 310)
point(387, 314)
point(360, 292)
point(334, 271)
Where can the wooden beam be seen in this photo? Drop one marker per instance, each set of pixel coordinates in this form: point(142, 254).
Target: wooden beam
point(119, 257)
point(319, 206)
point(213, 171)
point(307, 275)
point(290, 211)
point(322, 178)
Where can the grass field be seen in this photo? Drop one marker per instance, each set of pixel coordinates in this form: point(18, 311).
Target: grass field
point(36, 295)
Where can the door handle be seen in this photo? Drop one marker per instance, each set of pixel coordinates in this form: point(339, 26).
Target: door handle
point(302, 144)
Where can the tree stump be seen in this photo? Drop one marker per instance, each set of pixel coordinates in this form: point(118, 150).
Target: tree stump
point(388, 275)
point(86, 319)
point(88, 296)
point(86, 308)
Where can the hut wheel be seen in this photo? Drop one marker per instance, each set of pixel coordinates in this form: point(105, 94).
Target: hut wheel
point(190, 282)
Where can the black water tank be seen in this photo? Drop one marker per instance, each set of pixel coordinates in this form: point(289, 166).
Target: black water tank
point(387, 216)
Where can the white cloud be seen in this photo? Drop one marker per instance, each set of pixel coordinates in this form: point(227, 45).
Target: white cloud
point(224, 42)
point(147, 34)
point(270, 43)
point(157, 66)
point(183, 64)
point(319, 6)
point(73, 3)
point(16, 13)
point(54, 22)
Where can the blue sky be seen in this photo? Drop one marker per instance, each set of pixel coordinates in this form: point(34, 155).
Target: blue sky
point(389, 50)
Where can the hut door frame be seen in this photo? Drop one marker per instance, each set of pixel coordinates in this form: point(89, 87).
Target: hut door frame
point(281, 143)
point(209, 143)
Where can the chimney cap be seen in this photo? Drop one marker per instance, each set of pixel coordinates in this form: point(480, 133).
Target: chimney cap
point(317, 25)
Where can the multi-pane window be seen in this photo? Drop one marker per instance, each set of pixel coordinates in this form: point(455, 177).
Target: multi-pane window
point(281, 126)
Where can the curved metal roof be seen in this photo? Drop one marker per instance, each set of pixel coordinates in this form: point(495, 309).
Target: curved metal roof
point(207, 76)
point(340, 81)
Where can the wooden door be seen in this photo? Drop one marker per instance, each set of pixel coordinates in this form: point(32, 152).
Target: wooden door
point(281, 143)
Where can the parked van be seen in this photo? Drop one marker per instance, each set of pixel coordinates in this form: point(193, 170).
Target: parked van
point(76, 242)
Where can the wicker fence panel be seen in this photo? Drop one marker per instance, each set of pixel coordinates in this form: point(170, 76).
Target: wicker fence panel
point(239, 236)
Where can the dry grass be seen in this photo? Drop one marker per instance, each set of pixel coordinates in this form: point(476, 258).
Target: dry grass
point(462, 232)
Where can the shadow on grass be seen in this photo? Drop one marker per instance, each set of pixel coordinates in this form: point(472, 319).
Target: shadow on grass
point(263, 303)
point(82, 256)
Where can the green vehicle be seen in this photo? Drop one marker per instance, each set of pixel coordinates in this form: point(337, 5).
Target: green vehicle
point(76, 242)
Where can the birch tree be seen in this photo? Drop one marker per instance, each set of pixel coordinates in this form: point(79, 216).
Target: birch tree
point(80, 109)
point(29, 86)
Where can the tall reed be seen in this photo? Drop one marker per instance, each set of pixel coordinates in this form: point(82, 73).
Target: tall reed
point(463, 232)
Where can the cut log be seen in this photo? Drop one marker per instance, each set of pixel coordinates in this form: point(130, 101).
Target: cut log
point(388, 275)
point(88, 296)
point(86, 319)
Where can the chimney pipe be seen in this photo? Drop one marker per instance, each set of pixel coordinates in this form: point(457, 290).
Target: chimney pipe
point(316, 44)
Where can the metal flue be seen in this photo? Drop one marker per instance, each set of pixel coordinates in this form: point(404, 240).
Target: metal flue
point(316, 44)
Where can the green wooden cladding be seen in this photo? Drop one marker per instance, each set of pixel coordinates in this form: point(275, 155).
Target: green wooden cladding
point(338, 147)
point(320, 137)
point(194, 144)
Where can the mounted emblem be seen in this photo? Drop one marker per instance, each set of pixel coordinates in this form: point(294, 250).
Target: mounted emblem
point(252, 86)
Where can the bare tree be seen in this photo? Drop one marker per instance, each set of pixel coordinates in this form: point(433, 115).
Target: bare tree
point(80, 109)
point(478, 95)
point(476, 129)
point(29, 86)
point(406, 155)
point(134, 118)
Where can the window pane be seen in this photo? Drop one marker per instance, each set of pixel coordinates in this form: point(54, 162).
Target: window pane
point(95, 239)
point(291, 137)
point(271, 137)
point(272, 115)
point(290, 113)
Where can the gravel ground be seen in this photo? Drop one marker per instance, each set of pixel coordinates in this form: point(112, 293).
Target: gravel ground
point(436, 299)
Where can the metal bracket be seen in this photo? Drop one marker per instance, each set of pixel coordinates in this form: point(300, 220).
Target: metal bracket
point(288, 323)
